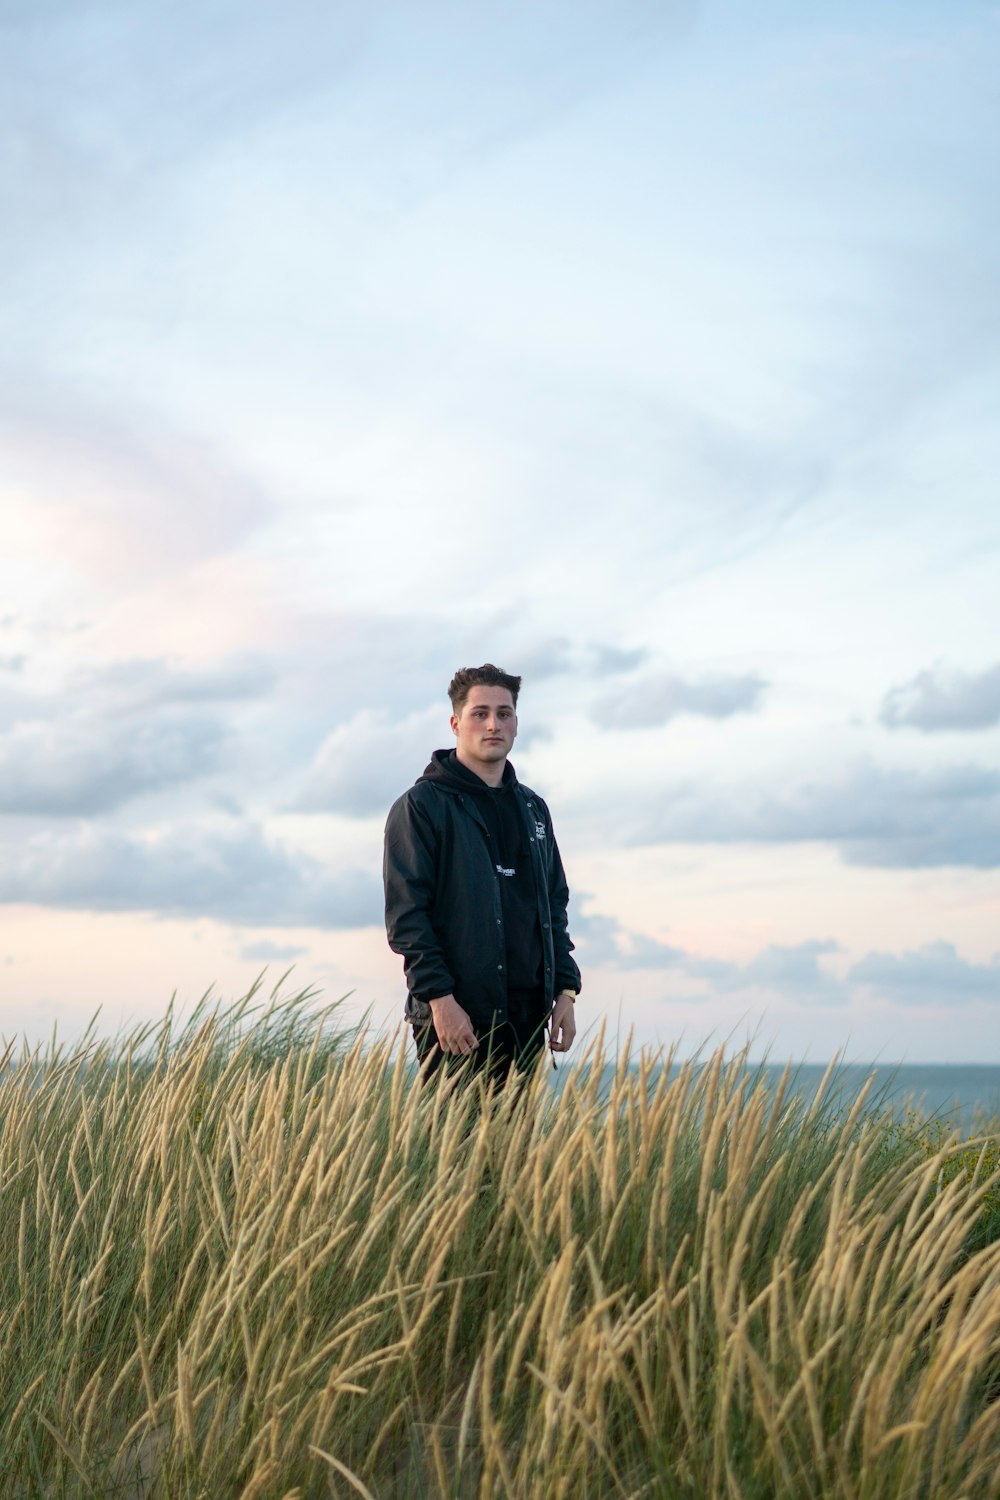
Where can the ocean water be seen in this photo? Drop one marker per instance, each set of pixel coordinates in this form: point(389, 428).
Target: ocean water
point(954, 1092)
point(958, 1094)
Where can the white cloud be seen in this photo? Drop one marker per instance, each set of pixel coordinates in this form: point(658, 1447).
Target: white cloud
point(935, 974)
point(941, 699)
point(661, 696)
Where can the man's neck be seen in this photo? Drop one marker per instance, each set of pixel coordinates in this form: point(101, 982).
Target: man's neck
point(491, 771)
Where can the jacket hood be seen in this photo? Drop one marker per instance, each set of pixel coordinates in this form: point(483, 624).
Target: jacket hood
point(445, 768)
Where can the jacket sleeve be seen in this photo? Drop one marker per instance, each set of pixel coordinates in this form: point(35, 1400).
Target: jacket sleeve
point(409, 872)
point(567, 974)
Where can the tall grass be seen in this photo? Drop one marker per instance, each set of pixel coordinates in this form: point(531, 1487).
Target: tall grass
point(255, 1260)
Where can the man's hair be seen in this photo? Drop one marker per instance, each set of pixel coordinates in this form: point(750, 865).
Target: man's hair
point(485, 676)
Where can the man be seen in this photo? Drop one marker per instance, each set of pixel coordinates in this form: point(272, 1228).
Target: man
point(475, 895)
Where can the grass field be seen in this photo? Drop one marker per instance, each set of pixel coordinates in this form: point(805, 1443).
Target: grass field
point(253, 1260)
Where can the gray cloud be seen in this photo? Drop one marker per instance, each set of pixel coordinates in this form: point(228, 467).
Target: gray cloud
point(357, 684)
point(16, 706)
point(111, 733)
point(394, 664)
point(370, 689)
point(660, 697)
point(559, 656)
point(608, 661)
point(230, 873)
point(363, 766)
point(604, 941)
point(115, 730)
point(83, 764)
point(934, 975)
point(551, 657)
point(793, 970)
point(894, 818)
point(140, 682)
point(941, 699)
point(13, 663)
point(533, 734)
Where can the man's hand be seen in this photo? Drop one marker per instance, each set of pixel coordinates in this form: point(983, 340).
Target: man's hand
point(453, 1027)
point(562, 1024)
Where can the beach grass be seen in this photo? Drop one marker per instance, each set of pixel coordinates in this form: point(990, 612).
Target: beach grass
point(251, 1258)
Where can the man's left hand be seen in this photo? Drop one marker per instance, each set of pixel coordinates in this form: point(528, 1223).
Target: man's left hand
point(562, 1024)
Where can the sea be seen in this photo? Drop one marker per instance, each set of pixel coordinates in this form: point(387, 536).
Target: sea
point(963, 1096)
point(958, 1094)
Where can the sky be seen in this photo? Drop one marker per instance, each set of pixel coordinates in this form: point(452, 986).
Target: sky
point(649, 350)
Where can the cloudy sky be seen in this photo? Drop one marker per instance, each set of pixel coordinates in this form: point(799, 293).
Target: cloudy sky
point(647, 349)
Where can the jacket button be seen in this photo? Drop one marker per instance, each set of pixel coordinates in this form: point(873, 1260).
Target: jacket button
point(500, 969)
point(545, 926)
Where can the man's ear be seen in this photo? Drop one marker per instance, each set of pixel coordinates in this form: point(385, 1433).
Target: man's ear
point(454, 724)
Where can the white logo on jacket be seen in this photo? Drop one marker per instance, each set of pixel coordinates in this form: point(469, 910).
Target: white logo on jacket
point(502, 871)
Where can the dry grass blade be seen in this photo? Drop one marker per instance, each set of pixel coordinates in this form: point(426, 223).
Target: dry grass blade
point(344, 1471)
point(249, 1259)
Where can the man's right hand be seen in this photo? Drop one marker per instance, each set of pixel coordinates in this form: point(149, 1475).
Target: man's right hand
point(453, 1027)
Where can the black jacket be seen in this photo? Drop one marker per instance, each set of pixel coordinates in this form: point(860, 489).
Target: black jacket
point(442, 897)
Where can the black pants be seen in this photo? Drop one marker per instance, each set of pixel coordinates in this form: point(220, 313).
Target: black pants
point(515, 1042)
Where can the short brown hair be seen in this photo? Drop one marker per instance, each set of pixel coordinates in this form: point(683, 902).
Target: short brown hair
point(485, 676)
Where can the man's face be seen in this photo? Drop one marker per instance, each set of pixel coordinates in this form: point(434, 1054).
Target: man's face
point(486, 728)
